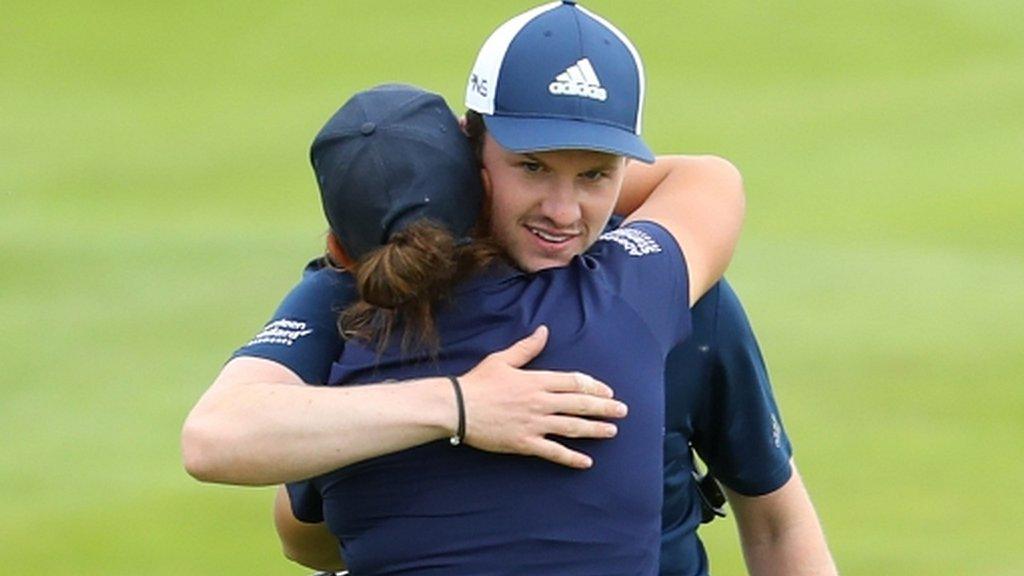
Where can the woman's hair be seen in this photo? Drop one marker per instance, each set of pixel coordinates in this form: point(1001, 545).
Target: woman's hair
point(402, 283)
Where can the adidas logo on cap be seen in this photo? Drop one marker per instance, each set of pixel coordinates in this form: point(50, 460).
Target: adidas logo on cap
point(580, 79)
point(535, 82)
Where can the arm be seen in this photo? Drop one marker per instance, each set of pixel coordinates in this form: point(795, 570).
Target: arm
point(780, 532)
point(699, 200)
point(255, 425)
point(311, 545)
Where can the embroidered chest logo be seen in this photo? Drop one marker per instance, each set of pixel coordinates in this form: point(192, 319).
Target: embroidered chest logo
point(635, 242)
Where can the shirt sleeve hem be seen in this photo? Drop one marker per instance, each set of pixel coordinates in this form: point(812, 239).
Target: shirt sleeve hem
point(764, 485)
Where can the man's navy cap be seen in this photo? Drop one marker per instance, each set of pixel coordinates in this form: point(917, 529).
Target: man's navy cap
point(560, 77)
point(390, 156)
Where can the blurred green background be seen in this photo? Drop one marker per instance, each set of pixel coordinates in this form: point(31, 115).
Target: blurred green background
point(156, 202)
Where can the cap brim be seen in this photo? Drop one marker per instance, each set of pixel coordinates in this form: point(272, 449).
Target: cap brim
point(546, 134)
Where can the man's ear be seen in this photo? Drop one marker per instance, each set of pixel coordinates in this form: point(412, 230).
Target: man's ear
point(462, 124)
point(485, 179)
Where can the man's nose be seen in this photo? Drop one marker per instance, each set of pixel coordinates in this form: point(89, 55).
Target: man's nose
point(561, 204)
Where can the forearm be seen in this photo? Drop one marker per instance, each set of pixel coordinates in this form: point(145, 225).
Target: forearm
point(244, 432)
point(797, 549)
point(257, 423)
point(780, 533)
point(697, 199)
point(311, 545)
point(642, 179)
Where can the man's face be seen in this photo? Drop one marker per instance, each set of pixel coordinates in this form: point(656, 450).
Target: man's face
point(546, 207)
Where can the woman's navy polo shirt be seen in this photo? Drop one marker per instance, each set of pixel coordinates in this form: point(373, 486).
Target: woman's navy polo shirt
point(718, 398)
point(616, 312)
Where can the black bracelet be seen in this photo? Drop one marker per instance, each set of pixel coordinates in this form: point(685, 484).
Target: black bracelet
point(460, 432)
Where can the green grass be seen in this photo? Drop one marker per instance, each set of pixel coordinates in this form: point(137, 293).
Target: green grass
point(156, 201)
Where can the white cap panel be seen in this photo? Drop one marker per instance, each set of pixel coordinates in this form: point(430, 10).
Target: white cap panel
point(483, 79)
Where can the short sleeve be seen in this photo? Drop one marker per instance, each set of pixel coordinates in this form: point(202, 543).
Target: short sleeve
point(307, 504)
point(303, 333)
point(643, 265)
point(738, 430)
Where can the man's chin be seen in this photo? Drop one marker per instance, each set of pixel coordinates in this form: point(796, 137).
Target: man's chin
point(536, 264)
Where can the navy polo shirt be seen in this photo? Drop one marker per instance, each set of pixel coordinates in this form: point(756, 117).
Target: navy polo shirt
point(717, 392)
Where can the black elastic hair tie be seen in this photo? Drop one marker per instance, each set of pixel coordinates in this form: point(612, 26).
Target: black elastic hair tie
point(460, 432)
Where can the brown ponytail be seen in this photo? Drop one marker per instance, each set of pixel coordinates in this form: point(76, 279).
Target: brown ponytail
point(402, 282)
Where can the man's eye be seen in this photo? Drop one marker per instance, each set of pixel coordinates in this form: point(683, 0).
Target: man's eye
point(531, 166)
point(594, 175)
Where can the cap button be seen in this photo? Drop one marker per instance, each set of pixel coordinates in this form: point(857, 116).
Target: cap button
point(367, 128)
point(569, 2)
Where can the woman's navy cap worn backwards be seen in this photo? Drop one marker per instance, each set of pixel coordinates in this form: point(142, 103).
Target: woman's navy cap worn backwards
point(393, 155)
point(560, 77)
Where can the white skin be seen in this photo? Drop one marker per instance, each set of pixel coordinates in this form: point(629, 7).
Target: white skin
point(562, 202)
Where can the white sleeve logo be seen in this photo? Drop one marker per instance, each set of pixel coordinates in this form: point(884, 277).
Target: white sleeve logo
point(635, 242)
point(284, 332)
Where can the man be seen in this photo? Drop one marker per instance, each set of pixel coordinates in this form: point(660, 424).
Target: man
point(558, 239)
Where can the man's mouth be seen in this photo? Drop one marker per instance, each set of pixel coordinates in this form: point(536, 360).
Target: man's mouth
point(553, 237)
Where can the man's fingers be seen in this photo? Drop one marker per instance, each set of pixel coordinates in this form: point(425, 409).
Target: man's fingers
point(524, 350)
point(555, 452)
